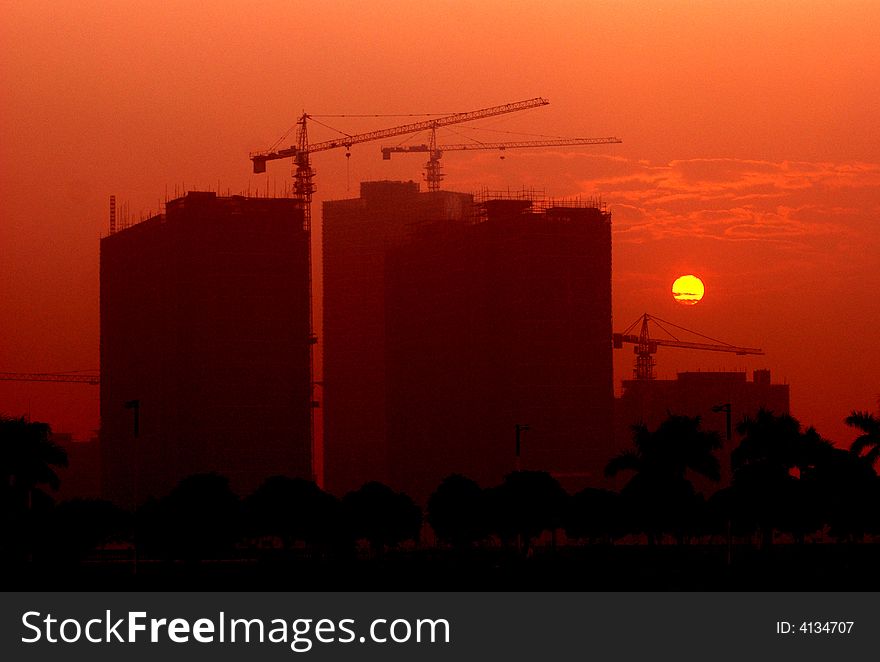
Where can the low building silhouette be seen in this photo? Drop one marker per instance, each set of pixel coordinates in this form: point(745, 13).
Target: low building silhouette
point(703, 394)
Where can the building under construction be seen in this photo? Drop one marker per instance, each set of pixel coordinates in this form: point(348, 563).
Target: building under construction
point(449, 324)
point(357, 237)
point(205, 346)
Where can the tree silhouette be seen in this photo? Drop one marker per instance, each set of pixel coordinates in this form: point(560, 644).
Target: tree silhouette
point(381, 516)
point(676, 446)
point(659, 498)
point(774, 443)
point(27, 458)
point(199, 519)
point(867, 444)
point(294, 510)
point(77, 527)
point(525, 505)
point(844, 486)
point(457, 511)
point(768, 463)
point(593, 514)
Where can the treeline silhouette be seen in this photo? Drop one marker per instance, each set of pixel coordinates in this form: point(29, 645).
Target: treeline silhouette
point(788, 484)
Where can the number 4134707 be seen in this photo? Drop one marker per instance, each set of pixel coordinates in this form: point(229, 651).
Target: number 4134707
point(815, 627)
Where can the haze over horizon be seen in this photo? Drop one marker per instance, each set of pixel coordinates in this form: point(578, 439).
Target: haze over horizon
point(750, 155)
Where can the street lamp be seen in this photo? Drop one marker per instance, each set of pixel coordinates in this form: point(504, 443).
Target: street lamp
point(135, 406)
point(726, 409)
point(520, 428)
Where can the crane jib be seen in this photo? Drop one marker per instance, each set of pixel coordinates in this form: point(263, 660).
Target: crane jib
point(260, 158)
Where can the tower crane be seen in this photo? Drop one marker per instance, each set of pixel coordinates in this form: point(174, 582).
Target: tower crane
point(304, 175)
point(94, 380)
point(646, 347)
point(432, 168)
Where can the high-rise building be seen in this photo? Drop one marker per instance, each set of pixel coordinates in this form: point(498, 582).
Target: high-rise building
point(357, 235)
point(496, 320)
point(205, 346)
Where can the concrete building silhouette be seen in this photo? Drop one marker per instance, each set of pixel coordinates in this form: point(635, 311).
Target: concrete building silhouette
point(205, 338)
point(650, 401)
point(448, 323)
point(357, 235)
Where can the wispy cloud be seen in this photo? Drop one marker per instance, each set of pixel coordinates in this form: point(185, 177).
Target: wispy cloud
point(797, 204)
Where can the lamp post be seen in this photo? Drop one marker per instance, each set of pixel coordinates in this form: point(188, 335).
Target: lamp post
point(520, 428)
point(135, 406)
point(725, 407)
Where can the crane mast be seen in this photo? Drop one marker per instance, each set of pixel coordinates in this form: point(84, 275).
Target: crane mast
point(646, 346)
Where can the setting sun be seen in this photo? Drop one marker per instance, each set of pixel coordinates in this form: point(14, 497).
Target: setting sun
point(688, 290)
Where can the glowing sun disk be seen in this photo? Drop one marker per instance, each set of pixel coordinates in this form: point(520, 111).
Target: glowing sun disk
point(688, 290)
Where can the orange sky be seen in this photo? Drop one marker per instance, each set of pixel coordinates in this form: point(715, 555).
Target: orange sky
point(751, 155)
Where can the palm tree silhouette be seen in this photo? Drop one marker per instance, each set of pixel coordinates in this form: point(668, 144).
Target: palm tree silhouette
point(676, 446)
point(771, 458)
point(659, 496)
point(867, 444)
point(846, 487)
point(774, 443)
point(27, 458)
